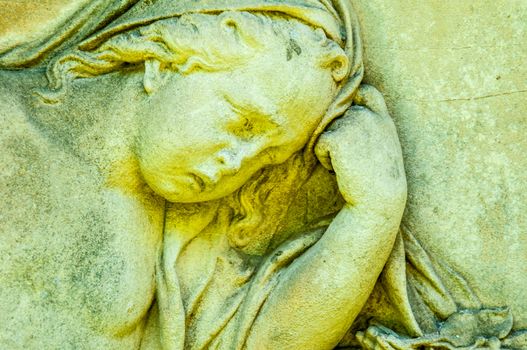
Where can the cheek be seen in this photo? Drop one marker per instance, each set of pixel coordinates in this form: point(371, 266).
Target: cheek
point(298, 134)
point(171, 154)
point(176, 137)
point(306, 111)
point(315, 94)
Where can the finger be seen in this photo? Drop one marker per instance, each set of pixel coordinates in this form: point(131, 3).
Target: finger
point(351, 120)
point(371, 98)
point(322, 151)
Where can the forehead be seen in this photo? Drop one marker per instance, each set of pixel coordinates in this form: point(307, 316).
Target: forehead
point(269, 77)
point(271, 81)
point(250, 101)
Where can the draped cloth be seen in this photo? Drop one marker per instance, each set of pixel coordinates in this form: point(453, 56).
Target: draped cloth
point(89, 17)
point(99, 20)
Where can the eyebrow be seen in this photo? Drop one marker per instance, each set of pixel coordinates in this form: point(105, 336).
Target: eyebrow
point(246, 108)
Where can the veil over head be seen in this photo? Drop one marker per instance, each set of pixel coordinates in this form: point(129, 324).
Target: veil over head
point(96, 22)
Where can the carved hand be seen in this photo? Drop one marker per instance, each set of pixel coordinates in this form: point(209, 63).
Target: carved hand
point(363, 149)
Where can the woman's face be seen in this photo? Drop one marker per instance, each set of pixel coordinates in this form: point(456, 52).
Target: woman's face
point(203, 135)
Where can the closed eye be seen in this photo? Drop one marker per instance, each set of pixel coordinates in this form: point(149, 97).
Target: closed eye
point(250, 126)
point(248, 122)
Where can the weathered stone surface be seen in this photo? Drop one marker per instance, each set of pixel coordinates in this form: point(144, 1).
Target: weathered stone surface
point(171, 176)
point(26, 21)
point(454, 77)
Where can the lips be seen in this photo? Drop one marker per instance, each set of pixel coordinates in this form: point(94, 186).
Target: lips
point(199, 181)
point(173, 186)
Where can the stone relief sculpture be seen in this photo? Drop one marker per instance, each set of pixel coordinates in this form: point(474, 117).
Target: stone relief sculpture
point(213, 175)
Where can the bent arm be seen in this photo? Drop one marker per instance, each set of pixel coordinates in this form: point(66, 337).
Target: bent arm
point(319, 295)
point(322, 292)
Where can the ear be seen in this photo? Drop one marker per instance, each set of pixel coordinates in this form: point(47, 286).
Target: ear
point(153, 77)
point(337, 61)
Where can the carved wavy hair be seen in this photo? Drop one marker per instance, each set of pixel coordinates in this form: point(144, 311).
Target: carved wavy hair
point(192, 42)
point(209, 42)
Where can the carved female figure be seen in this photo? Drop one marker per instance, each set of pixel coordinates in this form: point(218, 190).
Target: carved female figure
point(216, 176)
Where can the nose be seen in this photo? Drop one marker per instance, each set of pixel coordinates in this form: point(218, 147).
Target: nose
point(230, 160)
point(224, 163)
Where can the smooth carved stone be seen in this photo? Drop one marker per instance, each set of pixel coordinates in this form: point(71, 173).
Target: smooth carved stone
point(213, 174)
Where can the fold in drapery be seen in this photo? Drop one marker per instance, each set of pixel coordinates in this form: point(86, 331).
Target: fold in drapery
point(86, 20)
point(427, 304)
point(98, 20)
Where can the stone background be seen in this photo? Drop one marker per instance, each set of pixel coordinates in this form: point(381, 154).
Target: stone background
point(454, 74)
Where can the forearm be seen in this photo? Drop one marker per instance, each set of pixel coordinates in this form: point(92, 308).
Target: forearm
point(319, 295)
point(322, 291)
